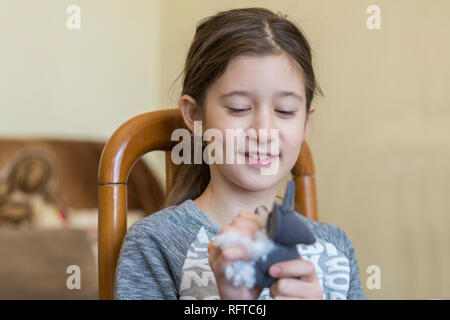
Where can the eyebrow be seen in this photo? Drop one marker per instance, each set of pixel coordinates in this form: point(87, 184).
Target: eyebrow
point(249, 94)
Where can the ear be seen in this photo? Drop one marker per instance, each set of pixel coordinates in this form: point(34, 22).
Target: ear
point(190, 110)
point(308, 121)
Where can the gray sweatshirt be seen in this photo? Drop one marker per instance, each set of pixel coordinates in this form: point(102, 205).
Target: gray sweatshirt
point(165, 256)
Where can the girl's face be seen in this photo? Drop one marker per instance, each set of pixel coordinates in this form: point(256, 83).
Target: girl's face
point(271, 96)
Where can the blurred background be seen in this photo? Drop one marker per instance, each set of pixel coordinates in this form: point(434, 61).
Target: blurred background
point(380, 137)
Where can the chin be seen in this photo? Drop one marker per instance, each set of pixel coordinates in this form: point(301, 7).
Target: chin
point(250, 179)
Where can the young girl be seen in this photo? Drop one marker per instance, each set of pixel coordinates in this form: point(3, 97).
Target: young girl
point(246, 69)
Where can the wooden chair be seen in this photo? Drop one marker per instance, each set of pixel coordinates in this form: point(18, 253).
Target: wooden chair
point(152, 132)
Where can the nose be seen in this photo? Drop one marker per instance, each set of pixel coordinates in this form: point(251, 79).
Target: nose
point(262, 130)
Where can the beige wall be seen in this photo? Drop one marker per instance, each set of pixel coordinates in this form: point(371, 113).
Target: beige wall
point(82, 83)
point(380, 136)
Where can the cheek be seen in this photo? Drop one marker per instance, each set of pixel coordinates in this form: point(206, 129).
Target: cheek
point(292, 137)
point(221, 123)
point(291, 142)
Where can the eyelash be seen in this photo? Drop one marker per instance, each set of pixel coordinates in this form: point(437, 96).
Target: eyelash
point(285, 113)
point(232, 110)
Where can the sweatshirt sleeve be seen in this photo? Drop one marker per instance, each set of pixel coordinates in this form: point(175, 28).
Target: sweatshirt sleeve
point(355, 291)
point(142, 271)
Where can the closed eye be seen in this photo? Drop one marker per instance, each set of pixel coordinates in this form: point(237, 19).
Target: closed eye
point(233, 110)
point(286, 113)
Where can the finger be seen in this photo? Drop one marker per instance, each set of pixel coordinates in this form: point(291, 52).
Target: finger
point(227, 257)
point(213, 252)
point(294, 269)
point(294, 298)
point(262, 209)
point(263, 214)
point(250, 224)
point(286, 298)
point(219, 267)
point(235, 253)
point(247, 216)
point(245, 231)
point(295, 288)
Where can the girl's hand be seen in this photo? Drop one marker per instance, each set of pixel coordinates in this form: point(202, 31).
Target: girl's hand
point(246, 224)
point(297, 281)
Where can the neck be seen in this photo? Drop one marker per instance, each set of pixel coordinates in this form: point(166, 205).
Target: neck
point(222, 200)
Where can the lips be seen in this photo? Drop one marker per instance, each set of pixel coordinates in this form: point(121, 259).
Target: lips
point(259, 160)
point(258, 156)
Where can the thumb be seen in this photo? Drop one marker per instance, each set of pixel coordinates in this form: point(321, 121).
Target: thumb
point(263, 214)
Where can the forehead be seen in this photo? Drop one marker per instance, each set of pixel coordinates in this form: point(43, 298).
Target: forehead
point(262, 75)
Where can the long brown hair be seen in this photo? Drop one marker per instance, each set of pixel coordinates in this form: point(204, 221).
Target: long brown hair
point(218, 39)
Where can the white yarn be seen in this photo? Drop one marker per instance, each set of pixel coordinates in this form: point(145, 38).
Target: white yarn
point(242, 271)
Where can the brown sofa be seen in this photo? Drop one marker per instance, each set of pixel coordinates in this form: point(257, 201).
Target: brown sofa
point(48, 215)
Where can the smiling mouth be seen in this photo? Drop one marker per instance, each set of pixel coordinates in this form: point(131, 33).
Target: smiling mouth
point(260, 156)
point(259, 160)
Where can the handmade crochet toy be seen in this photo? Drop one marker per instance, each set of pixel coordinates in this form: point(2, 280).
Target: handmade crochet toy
point(277, 242)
